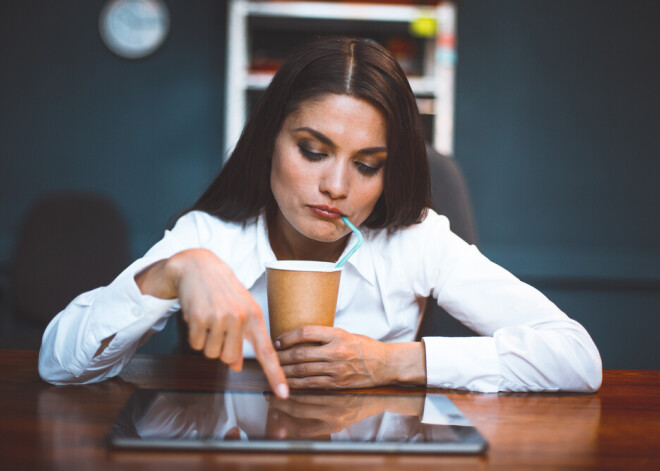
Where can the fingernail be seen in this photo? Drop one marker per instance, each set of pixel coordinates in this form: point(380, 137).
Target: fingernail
point(277, 344)
point(283, 391)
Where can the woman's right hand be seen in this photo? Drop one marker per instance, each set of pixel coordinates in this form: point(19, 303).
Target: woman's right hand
point(219, 311)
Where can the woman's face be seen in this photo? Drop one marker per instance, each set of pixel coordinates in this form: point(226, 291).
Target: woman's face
point(328, 162)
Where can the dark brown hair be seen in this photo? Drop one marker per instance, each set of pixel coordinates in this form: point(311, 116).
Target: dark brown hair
point(349, 66)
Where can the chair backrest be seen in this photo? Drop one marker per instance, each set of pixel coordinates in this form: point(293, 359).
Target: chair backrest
point(70, 242)
point(451, 198)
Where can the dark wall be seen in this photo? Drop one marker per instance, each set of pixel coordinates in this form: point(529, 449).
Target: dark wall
point(556, 128)
point(557, 132)
point(146, 133)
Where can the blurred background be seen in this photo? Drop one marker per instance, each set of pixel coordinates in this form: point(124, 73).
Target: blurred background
point(555, 127)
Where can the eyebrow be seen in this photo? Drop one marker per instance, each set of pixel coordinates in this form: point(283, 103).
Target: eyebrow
point(327, 141)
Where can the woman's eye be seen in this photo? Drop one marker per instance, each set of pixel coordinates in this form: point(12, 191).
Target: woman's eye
point(311, 155)
point(368, 170)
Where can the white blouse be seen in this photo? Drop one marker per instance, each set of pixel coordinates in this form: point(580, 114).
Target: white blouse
point(526, 343)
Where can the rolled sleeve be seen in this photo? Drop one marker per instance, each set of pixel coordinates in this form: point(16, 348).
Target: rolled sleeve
point(118, 309)
point(528, 343)
point(124, 297)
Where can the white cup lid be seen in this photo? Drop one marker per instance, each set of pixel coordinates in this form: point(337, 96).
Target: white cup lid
point(302, 265)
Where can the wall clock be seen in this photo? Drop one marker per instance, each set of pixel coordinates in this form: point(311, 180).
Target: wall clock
point(134, 28)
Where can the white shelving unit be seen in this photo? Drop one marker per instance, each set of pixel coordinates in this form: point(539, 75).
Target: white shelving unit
point(434, 87)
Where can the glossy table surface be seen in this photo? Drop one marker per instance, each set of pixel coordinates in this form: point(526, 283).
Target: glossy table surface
point(63, 427)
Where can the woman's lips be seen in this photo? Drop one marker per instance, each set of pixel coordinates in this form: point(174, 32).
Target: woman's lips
point(328, 212)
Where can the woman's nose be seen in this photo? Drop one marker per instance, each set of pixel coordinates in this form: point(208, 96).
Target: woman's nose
point(334, 180)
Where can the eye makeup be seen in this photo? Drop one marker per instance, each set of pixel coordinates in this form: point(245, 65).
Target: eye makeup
point(310, 154)
point(368, 170)
point(363, 168)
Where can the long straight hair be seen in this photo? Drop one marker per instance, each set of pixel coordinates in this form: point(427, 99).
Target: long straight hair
point(350, 66)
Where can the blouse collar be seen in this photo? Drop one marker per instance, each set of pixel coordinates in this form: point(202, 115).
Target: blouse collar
point(360, 260)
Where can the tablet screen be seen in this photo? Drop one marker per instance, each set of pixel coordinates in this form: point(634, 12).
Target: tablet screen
point(309, 421)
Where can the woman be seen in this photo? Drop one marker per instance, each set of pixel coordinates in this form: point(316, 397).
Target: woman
point(336, 133)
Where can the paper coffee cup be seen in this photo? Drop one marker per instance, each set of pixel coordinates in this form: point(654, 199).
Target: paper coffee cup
point(300, 293)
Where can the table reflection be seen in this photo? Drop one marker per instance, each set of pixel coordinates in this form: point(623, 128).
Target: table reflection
point(520, 422)
point(232, 415)
point(65, 413)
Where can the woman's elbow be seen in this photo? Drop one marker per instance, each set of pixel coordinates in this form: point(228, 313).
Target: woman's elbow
point(594, 374)
point(578, 360)
point(52, 372)
point(587, 371)
point(49, 376)
point(595, 381)
point(54, 367)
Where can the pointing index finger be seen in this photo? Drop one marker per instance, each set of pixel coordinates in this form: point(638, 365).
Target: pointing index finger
point(263, 348)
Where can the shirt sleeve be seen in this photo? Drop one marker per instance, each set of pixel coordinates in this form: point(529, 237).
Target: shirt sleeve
point(118, 311)
point(527, 343)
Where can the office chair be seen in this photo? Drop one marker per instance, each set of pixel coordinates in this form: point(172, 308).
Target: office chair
point(69, 243)
point(451, 198)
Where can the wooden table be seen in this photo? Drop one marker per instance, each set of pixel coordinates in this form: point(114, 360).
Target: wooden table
point(63, 427)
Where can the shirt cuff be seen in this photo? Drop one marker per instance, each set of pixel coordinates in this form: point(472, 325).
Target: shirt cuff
point(462, 363)
point(122, 304)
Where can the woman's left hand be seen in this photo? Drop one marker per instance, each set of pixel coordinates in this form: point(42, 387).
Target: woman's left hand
point(338, 360)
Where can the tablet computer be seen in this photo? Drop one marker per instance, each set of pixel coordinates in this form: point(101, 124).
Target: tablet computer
point(305, 422)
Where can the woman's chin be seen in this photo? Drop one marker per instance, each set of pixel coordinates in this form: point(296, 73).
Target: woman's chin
point(324, 238)
point(324, 234)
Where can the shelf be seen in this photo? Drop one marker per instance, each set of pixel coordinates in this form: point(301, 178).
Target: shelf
point(341, 11)
point(261, 33)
